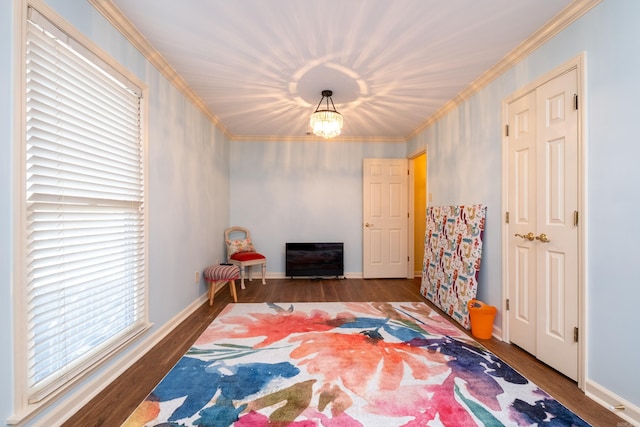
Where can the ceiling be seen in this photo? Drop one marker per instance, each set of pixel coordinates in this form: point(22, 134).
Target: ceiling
point(259, 66)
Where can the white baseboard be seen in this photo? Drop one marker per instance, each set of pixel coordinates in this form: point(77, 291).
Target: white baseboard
point(627, 411)
point(74, 401)
point(497, 332)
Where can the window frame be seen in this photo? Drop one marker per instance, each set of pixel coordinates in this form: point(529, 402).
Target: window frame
point(23, 410)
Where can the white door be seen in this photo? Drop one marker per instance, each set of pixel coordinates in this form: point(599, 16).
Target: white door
point(385, 218)
point(521, 149)
point(543, 232)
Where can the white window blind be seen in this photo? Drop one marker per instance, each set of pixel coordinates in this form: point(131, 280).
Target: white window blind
point(84, 210)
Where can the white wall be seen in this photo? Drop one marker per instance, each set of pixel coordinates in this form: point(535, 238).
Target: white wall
point(302, 192)
point(188, 181)
point(464, 151)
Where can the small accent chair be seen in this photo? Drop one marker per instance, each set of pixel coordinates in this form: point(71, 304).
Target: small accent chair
point(241, 252)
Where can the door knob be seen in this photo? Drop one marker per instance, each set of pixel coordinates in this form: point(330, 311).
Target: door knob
point(368, 225)
point(529, 236)
point(543, 238)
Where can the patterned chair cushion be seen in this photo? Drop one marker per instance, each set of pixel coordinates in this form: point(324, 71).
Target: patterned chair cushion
point(239, 246)
point(222, 272)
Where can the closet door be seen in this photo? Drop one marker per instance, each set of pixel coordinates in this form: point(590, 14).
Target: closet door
point(543, 235)
point(557, 231)
point(522, 222)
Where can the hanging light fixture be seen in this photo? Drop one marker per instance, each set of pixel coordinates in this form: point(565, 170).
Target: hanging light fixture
point(327, 122)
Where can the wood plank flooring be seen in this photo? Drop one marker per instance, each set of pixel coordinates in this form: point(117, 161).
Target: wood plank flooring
point(114, 404)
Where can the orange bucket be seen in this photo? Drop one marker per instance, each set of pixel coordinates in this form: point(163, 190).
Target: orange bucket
point(482, 316)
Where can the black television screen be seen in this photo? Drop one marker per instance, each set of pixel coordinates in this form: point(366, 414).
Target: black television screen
point(314, 259)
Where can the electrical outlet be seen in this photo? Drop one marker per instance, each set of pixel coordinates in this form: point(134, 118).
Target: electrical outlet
point(197, 276)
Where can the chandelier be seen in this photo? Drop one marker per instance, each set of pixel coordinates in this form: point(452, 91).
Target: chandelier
point(327, 122)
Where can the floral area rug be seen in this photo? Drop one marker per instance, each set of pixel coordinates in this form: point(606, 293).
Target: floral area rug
point(343, 364)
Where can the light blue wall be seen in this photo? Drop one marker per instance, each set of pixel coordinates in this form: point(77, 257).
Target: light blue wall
point(6, 170)
point(188, 181)
point(464, 164)
point(312, 191)
point(460, 172)
point(302, 192)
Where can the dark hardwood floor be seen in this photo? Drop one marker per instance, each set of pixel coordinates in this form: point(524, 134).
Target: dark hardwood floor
point(114, 404)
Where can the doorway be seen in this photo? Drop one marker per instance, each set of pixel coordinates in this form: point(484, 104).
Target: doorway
point(420, 198)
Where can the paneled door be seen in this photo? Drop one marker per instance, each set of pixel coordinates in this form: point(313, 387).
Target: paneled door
point(522, 254)
point(542, 150)
point(385, 218)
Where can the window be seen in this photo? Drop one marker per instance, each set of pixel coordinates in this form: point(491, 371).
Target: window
point(84, 224)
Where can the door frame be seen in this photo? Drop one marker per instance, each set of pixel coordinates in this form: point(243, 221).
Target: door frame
point(412, 208)
point(579, 64)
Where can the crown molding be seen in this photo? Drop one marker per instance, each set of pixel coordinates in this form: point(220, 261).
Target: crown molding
point(313, 138)
point(559, 22)
point(115, 16)
point(562, 20)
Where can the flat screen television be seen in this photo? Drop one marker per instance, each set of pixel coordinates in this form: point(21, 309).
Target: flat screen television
point(314, 259)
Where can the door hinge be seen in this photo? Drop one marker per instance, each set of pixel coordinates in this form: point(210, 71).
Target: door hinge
point(575, 218)
point(575, 101)
point(506, 130)
point(506, 217)
point(507, 305)
point(575, 334)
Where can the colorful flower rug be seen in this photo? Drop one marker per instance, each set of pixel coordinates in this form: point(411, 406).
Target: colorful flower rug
point(343, 364)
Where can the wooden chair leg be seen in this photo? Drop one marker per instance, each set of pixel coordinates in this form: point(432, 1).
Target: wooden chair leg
point(212, 291)
point(232, 286)
point(264, 271)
